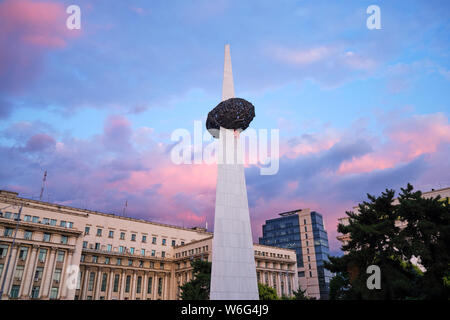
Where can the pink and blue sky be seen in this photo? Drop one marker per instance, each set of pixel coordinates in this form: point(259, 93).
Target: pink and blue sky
point(358, 110)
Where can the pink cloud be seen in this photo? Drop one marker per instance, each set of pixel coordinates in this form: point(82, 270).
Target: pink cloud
point(406, 140)
point(27, 30)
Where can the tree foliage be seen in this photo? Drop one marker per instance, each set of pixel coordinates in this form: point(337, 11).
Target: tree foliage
point(377, 239)
point(266, 292)
point(199, 287)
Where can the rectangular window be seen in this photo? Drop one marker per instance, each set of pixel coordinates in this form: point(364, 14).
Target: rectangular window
point(60, 256)
point(111, 234)
point(107, 260)
point(82, 258)
point(28, 235)
point(46, 237)
point(152, 264)
point(133, 237)
point(154, 240)
point(94, 259)
point(54, 293)
point(23, 253)
point(163, 254)
point(38, 273)
point(122, 236)
point(53, 222)
point(86, 230)
point(3, 251)
point(35, 292)
point(85, 244)
point(99, 232)
point(132, 250)
point(109, 248)
point(8, 232)
point(14, 291)
point(1, 270)
point(7, 215)
point(91, 281)
point(143, 252)
point(18, 273)
point(144, 239)
point(64, 239)
point(127, 284)
point(153, 253)
point(120, 249)
point(45, 221)
point(182, 243)
point(116, 283)
point(173, 243)
point(119, 261)
point(27, 218)
point(70, 224)
point(130, 262)
point(141, 264)
point(42, 255)
point(97, 246)
point(161, 265)
point(57, 275)
point(160, 284)
point(62, 223)
point(104, 279)
point(149, 285)
point(164, 242)
point(35, 219)
point(139, 284)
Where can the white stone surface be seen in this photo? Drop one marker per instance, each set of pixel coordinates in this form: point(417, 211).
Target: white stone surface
point(233, 275)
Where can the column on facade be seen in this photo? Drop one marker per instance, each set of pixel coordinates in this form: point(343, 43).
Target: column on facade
point(28, 278)
point(65, 275)
point(122, 285)
point(144, 285)
point(278, 276)
point(133, 286)
point(110, 284)
point(97, 287)
point(48, 274)
point(155, 286)
point(166, 284)
point(84, 288)
point(11, 268)
point(72, 260)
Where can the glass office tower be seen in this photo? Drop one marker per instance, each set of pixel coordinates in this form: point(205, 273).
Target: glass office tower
point(303, 231)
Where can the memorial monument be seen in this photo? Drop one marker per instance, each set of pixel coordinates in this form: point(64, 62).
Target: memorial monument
point(233, 275)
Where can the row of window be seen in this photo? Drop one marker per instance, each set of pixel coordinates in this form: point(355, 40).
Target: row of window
point(273, 265)
point(23, 253)
point(99, 233)
point(120, 249)
point(191, 252)
point(131, 262)
point(36, 219)
point(28, 235)
point(115, 288)
point(15, 289)
point(271, 254)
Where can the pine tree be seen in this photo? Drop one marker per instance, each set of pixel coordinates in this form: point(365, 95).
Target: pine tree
point(199, 287)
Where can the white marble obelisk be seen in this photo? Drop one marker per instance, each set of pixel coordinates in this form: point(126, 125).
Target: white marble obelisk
point(233, 275)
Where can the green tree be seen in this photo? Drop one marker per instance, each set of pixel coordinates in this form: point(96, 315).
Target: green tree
point(198, 288)
point(301, 295)
point(266, 292)
point(374, 240)
point(426, 235)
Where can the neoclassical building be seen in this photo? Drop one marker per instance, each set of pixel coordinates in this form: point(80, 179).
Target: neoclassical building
point(61, 252)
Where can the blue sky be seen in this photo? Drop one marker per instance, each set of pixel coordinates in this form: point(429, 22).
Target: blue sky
point(145, 68)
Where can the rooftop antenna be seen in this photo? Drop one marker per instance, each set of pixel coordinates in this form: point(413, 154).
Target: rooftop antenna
point(124, 208)
point(43, 185)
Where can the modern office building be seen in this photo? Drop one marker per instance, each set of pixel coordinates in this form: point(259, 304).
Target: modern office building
point(62, 252)
point(303, 231)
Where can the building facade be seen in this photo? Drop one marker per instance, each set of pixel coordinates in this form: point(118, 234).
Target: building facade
point(303, 231)
point(61, 252)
